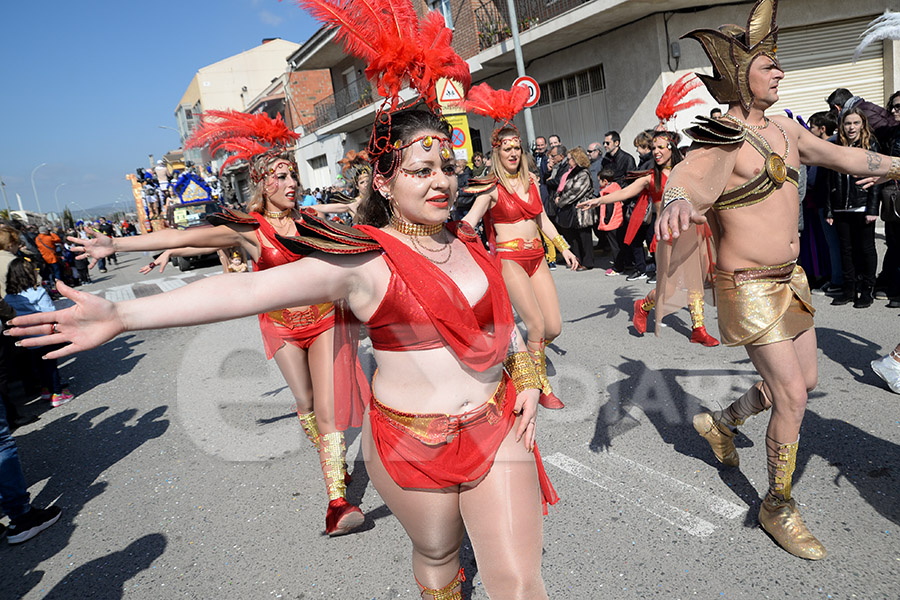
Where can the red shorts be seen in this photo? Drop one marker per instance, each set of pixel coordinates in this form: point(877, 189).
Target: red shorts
point(435, 451)
point(529, 259)
point(276, 335)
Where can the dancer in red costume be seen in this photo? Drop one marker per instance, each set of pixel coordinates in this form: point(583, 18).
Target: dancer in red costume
point(648, 188)
point(299, 338)
point(450, 440)
point(511, 206)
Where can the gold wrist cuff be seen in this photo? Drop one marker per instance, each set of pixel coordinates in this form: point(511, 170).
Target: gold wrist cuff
point(674, 194)
point(560, 242)
point(894, 172)
point(522, 371)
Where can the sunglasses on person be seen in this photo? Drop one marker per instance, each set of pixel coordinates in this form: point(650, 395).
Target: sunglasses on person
point(894, 107)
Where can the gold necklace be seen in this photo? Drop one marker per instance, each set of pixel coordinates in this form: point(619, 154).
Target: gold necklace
point(748, 125)
point(414, 229)
point(278, 215)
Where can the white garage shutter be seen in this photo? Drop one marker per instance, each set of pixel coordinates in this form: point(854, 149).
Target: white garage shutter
point(819, 58)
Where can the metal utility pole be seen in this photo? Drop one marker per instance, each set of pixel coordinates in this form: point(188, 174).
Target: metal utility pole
point(520, 66)
point(34, 188)
point(56, 196)
point(5, 199)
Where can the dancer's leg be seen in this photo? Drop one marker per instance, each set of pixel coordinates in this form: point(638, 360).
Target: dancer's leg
point(522, 296)
point(503, 518)
point(294, 366)
point(431, 519)
point(544, 290)
point(321, 369)
point(783, 366)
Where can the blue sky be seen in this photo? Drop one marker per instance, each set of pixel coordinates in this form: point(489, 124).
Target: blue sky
point(84, 86)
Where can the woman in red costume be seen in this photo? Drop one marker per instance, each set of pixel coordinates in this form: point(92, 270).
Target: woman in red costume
point(510, 204)
point(648, 187)
point(449, 435)
point(299, 338)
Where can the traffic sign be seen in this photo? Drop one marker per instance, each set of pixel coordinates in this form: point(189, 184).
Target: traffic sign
point(450, 94)
point(458, 138)
point(534, 90)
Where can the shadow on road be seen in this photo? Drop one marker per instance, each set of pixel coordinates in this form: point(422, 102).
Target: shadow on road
point(70, 453)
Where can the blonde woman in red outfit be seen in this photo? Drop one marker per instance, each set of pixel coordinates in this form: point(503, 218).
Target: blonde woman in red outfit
point(299, 338)
point(514, 216)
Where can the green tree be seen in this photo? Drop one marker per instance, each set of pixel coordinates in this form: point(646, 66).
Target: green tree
point(67, 219)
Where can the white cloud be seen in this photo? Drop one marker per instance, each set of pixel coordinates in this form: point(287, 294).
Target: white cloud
point(270, 18)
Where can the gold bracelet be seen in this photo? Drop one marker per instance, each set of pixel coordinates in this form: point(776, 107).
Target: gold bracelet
point(674, 194)
point(560, 242)
point(522, 371)
point(894, 172)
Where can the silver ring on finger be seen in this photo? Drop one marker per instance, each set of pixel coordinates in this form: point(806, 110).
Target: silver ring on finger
point(54, 328)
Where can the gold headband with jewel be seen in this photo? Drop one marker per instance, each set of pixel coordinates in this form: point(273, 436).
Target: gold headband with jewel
point(732, 49)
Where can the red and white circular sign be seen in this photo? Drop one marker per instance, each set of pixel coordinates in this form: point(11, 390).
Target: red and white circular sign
point(534, 90)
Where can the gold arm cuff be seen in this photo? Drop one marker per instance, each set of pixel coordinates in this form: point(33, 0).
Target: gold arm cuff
point(560, 242)
point(674, 194)
point(522, 371)
point(894, 172)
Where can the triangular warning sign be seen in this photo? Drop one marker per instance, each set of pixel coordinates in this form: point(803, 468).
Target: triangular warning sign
point(450, 93)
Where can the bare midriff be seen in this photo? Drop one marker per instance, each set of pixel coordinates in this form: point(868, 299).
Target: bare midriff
point(525, 229)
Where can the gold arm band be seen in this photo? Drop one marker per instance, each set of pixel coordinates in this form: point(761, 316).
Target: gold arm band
point(522, 371)
point(560, 242)
point(674, 194)
point(894, 172)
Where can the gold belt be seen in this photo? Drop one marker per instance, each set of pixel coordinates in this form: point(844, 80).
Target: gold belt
point(301, 318)
point(520, 244)
point(434, 429)
point(776, 274)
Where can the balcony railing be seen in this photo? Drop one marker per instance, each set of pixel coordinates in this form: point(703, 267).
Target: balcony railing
point(343, 102)
point(492, 17)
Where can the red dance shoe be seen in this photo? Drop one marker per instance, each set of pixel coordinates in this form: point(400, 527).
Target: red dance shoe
point(550, 401)
point(639, 320)
point(342, 517)
point(699, 336)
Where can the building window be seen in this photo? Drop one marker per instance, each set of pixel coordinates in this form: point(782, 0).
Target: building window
point(318, 162)
point(443, 7)
point(579, 84)
point(188, 115)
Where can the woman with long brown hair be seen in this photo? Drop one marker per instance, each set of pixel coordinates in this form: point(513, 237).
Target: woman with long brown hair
point(853, 212)
point(514, 217)
point(299, 338)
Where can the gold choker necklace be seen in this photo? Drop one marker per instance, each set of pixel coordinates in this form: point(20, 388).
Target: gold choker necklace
point(414, 229)
point(748, 125)
point(278, 215)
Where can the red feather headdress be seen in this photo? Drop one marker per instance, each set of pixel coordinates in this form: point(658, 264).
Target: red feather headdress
point(401, 49)
point(245, 136)
point(500, 105)
point(671, 101)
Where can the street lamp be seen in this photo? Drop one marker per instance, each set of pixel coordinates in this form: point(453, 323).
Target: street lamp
point(34, 189)
point(56, 196)
point(5, 199)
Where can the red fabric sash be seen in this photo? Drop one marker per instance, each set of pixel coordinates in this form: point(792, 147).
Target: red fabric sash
point(445, 304)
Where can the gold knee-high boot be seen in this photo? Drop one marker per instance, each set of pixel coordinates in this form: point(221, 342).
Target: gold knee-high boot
point(716, 427)
point(451, 591)
point(699, 334)
point(547, 399)
point(310, 427)
point(778, 514)
point(342, 517)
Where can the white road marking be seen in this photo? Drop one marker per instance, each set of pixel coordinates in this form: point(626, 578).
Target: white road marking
point(625, 473)
point(120, 294)
point(170, 284)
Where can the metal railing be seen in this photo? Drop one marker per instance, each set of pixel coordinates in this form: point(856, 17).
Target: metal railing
point(492, 17)
point(343, 102)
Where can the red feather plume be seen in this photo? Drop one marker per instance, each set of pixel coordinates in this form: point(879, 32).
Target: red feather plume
point(501, 105)
point(243, 135)
point(670, 103)
point(401, 49)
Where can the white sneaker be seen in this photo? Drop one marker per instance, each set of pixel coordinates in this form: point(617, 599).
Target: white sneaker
point(889, 370)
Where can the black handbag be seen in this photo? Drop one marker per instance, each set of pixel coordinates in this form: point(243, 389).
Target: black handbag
point(890, 203)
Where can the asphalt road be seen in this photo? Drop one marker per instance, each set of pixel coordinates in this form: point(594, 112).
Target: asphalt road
point(182, 471)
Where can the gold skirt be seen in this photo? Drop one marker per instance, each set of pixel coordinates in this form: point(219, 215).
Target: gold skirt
point(763, 305)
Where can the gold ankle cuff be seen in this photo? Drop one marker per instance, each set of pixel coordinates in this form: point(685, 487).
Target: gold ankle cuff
point(310, 426)
point(331, 455)
point(448, 592)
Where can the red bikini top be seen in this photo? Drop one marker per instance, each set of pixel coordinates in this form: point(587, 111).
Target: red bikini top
point(274, 255)
point(400, 324)
point(510, 208)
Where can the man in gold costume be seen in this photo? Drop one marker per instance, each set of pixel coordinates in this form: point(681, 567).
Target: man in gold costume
point(744, 166)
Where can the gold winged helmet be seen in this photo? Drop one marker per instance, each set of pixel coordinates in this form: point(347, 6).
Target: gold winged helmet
point(731, 50)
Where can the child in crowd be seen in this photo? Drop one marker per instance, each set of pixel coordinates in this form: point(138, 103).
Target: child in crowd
point(25, 294)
